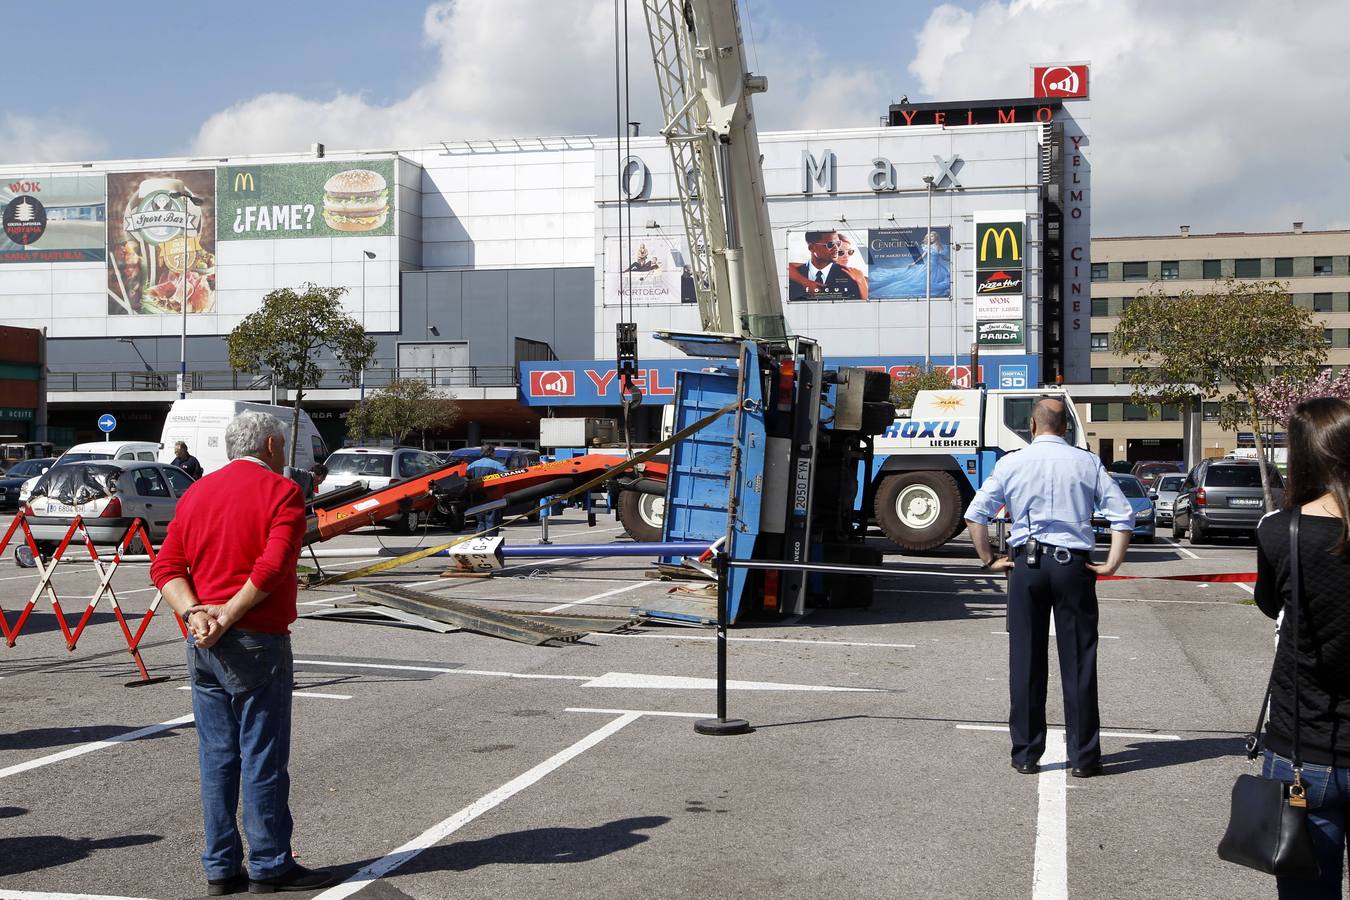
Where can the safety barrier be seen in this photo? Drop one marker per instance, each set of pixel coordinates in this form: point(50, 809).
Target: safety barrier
point(77, 532)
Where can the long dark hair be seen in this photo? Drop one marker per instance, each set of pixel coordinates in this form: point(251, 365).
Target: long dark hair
point(1319, 457)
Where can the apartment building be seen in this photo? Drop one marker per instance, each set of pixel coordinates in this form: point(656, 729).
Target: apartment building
point(1315, 265)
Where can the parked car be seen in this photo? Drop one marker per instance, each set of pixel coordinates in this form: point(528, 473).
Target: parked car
point(92, 450)
point(511, 457)
point(1140, 503)
point(1148, 472)
point(1166, 489)
point(12, 481)
point(1223, 495)
point(107, 494)
point(378, 467)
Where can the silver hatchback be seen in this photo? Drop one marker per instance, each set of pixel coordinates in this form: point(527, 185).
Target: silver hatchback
point(107, 494)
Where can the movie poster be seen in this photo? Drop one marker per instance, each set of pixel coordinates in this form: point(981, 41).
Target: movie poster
point(312, 199)
point(655, 272)
point(827, 265)
point(901, 267)
point(52, 218)
point(161, 242)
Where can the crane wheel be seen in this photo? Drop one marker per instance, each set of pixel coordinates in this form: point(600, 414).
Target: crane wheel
point(919, 510)
point(642, 515)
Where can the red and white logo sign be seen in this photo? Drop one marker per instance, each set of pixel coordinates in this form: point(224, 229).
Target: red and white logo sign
point(1060, 81)
point(552, 383)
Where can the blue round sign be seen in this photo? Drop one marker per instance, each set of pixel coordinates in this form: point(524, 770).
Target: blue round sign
point(107, 422)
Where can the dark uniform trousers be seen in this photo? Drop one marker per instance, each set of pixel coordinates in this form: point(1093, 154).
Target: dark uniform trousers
point(1069, 590)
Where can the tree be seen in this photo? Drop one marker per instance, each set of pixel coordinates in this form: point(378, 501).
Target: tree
point(1223, 346)
point(288, 334)
point(1277, 399)
point(905, 387)
point(401, 407)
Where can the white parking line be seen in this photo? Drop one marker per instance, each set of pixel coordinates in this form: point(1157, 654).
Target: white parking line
point(752, 640)
point(1180, 548)
point(441, 670)
point(188, 687)
point(593, 597)
point(639, 712)
point(8, 894)
point(96, 745)
point(447, 827)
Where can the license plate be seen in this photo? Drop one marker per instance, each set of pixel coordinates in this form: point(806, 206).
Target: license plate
point(59, 509)
point(1244, 501)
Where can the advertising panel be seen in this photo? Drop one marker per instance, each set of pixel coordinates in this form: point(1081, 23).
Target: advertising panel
point(1060, 81)
point(52, 219)
point(311, 199)
point(999, 334)
point(656, 272)
point(876, 264)
point(999, 245)
point(161, 242)
point(999, 306)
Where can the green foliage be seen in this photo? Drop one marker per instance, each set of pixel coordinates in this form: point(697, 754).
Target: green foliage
point(905, 388)
point(288, 334)
point(401, 407)
point(1224, 347)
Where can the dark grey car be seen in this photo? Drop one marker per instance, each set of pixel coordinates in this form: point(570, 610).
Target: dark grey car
point(1223, 495)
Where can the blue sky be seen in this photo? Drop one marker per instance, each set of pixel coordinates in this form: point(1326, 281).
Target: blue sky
point(1214, 113)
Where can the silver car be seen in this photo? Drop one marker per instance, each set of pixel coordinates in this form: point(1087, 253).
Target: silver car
point(107, 494)
point(1165, 492)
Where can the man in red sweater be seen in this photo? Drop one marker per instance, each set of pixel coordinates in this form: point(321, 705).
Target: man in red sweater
point(228, 568)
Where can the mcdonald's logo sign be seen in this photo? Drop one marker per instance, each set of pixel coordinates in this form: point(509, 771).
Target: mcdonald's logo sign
point(999, 244)
point(245, 182)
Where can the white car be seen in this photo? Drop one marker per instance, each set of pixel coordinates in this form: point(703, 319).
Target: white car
point(107, 495)
point(139, 450)
point(375, 468)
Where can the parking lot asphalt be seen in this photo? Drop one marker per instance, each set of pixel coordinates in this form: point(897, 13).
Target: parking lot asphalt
point(432, 765)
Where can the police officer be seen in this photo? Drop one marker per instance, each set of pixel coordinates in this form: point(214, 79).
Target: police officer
point(1050, 490)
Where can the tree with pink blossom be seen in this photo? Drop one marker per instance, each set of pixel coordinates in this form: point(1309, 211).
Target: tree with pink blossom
point(1277, 399)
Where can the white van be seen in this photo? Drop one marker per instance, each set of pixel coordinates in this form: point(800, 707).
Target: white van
point(201, 425)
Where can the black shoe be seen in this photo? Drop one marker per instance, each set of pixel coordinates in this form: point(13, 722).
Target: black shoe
point(219, 887)
point(297, 878)
point(1091, 771)
point(1026, 768)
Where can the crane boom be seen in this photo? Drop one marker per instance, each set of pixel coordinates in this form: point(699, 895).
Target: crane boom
point(710, 128)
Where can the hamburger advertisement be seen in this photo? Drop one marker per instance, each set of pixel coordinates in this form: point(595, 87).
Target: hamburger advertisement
point(298, 200)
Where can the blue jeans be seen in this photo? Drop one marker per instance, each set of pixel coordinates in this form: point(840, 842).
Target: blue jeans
point(1328, 798)
point(241, 699)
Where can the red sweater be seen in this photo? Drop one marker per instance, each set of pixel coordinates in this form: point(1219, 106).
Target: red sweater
point(239, 523)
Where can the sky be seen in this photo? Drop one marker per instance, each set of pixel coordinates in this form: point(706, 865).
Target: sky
point(1226, 115)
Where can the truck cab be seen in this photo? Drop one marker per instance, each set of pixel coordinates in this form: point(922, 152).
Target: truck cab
point(929, 463)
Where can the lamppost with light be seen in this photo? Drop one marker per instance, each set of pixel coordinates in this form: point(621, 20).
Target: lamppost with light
point(366, 256)
point(182, 344)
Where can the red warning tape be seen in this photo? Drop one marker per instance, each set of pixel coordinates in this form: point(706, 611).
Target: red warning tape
point(1220, 577)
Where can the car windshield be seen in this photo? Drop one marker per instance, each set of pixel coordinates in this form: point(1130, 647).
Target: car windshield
point(82, 457)
point(1130, 487)
point(1239, 476)
point(74, 485)
point(28, 468)
point(1171, 482)
point(359, 464)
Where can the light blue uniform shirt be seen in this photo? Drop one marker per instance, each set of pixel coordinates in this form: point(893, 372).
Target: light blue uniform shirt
point(1050, 490)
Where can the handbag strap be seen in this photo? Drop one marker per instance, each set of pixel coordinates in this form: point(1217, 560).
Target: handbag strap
point(1254, 741)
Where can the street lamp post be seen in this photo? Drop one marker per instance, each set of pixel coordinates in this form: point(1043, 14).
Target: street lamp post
point(182, 343)
point(928, 281)
point(366, 256)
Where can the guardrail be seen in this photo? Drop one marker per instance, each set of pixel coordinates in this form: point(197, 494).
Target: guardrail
point(230, 380)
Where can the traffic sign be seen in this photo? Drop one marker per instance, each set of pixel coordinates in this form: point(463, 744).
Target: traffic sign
point(107, 422)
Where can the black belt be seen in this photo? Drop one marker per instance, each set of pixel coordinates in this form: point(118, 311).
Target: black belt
point(1051, 550)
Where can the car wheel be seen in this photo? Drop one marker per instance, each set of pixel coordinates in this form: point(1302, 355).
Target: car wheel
point(410, 522)
point(1178, 532)
point(1198, 533)
point(1144, 539)
point(23, 557)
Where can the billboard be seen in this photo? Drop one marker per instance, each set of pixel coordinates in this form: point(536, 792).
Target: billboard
point(52, 219)
point(999, 334)
point(876, 264)
point(161, 242)
point(311, 199)
point(1001, 306)
point(1000, 278)
point(655, 272)
point(1060, 81)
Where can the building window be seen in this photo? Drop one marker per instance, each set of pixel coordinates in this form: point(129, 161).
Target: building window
point(1321, 303)
point(1284, 267)
point(1100, 271)
point(1136, 412)
point(1321, 265)
point(1125, 303)
point(1101, 340)
point(1171, 268)
point(1326, 336)
point(1135, 271)
point(1210, 412)
point(1211, 269)
point(1247, 268)
point(1100, 412)
point(1101, 306)
point(1171, 412)
point(1101, 376)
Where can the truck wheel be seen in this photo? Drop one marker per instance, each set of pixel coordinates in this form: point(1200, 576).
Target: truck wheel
point(642, 515)
point(919, 510)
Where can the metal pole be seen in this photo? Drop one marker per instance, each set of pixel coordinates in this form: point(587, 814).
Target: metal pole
point(182, 341)
point(364, 259)
point(928, 281)
point(721, 725)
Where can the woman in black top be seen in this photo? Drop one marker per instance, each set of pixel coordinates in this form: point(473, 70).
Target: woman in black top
point(1318, 487)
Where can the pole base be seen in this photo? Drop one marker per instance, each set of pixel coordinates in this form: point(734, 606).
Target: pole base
point(722, 726)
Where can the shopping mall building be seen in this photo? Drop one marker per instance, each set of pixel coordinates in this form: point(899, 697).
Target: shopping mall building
point(499, 269)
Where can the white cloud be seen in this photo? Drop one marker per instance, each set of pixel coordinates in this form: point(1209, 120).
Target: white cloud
point(42, 140)
point(1224, 116)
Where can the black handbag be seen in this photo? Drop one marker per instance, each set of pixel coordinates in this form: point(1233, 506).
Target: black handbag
point(1268, 823)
